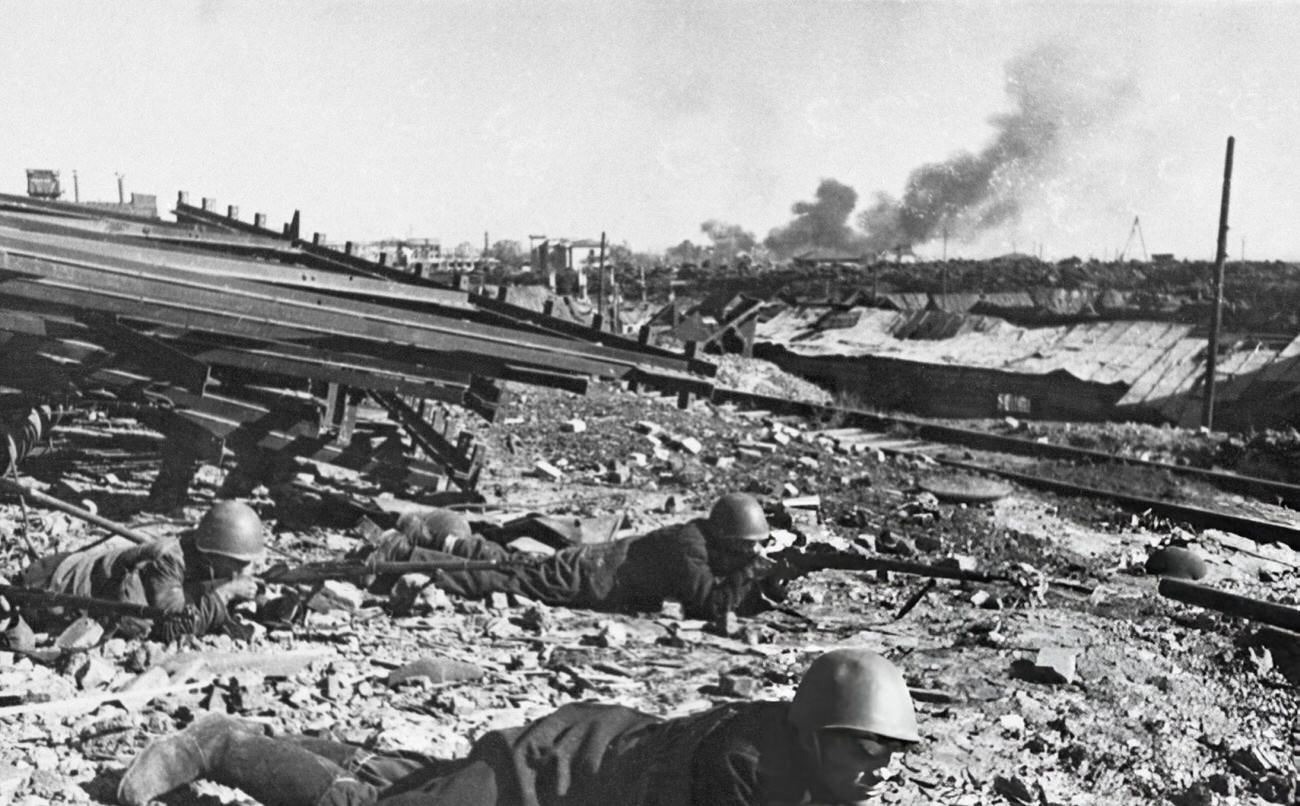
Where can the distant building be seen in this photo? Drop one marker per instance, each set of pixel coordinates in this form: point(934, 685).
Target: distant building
point(143, 205)
point(562, 254)
point(43, 184)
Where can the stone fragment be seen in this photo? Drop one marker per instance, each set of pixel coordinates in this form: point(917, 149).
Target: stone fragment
point(547, 470)
point(690, 444)
point(437, 670)
point(1012, 723)
point(1057, 664)
point(44, 758)
point(573, 426)
point(612, 635)
point(889, 543)
point(734, 685)
point(959, 562)
point(499, 601)
point(83, 633)
point(1053, 665)
point(672, 610)
point(929, 542)
point(12, 781)
point(337, 594)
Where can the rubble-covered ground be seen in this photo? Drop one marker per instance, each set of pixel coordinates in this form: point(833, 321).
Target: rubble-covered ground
point(1078, 685)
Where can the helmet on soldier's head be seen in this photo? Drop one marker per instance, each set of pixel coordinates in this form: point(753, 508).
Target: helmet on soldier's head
point(737, 516)
point(857, 690)
point(230, 529)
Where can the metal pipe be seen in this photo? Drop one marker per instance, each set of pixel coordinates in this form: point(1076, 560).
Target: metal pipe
point(1216, 315)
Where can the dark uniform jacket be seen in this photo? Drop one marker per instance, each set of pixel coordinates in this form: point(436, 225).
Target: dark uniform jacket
point(586, 754)
point(743, 754)
point(152, 574)
point(634, 574)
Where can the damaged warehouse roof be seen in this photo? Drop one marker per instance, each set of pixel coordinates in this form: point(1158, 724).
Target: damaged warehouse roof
point(267, 341)
point(946, 364)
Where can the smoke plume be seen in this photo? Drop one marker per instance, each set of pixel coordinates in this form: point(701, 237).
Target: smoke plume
point(820, 223)
point(728, 239)
point(1059, 96)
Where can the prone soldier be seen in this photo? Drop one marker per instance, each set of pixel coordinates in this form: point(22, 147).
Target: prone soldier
point(711, 565)
point(195, 577)
point(851, 713)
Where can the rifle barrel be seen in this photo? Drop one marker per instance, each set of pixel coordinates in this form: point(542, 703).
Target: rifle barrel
point(319, 572)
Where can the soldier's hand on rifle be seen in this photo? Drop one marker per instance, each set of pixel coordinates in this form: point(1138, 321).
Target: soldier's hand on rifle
point(237, 589)
point(776, 570)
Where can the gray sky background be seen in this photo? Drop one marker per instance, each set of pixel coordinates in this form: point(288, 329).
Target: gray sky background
point(448, 119)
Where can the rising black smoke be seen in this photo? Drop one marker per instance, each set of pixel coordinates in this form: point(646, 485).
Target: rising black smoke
point(1060, 94)
point(821, 223)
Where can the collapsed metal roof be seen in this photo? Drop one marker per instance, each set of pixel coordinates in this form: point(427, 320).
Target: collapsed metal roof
point(228, 325)
point(1161, 363)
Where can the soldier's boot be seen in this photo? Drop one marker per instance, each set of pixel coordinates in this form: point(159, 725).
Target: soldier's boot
point(229, 752)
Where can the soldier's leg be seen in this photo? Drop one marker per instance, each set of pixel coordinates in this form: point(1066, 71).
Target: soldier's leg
point(230, 752)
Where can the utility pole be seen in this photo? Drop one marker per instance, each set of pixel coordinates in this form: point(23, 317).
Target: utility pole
point(600, 267)
point(121, 192)
point(76, 188)
point(1216, 315)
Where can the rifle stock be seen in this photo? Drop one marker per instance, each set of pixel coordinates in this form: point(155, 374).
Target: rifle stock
point(86, 603)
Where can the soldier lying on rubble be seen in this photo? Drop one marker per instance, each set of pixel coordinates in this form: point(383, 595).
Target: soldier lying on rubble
point(711, 565)
point(197, 576)
point(850, 714)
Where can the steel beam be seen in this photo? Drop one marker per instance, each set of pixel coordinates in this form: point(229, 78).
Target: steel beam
point(149, 298)
point(134, 257)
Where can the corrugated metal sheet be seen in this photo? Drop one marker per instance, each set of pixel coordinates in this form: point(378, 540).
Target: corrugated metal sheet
point(911, 301)
point(1162, 366)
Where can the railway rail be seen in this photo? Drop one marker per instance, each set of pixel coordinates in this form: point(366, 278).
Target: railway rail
point(878, 432)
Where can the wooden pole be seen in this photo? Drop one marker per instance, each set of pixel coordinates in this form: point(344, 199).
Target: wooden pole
point(1278, 615)
point(50, 501)
point(1216, 314)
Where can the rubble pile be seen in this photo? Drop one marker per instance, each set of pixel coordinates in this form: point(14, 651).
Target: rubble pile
point(1069, 680)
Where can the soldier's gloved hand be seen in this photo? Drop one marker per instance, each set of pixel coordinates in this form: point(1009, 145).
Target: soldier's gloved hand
point(237, 589)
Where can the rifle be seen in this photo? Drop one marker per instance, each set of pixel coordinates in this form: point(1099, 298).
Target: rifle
point(795, 563)
point(313, 573)
point(87, 603)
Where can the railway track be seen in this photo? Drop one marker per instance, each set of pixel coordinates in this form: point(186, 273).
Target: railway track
point(861, 430)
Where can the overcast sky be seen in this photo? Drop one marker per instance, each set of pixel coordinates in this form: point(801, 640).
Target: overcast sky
point(449, 119)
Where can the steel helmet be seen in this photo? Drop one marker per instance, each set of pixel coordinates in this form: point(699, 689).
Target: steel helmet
point(738, 516)
point(858, 690)
point(433, 525)
point(231, 529)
